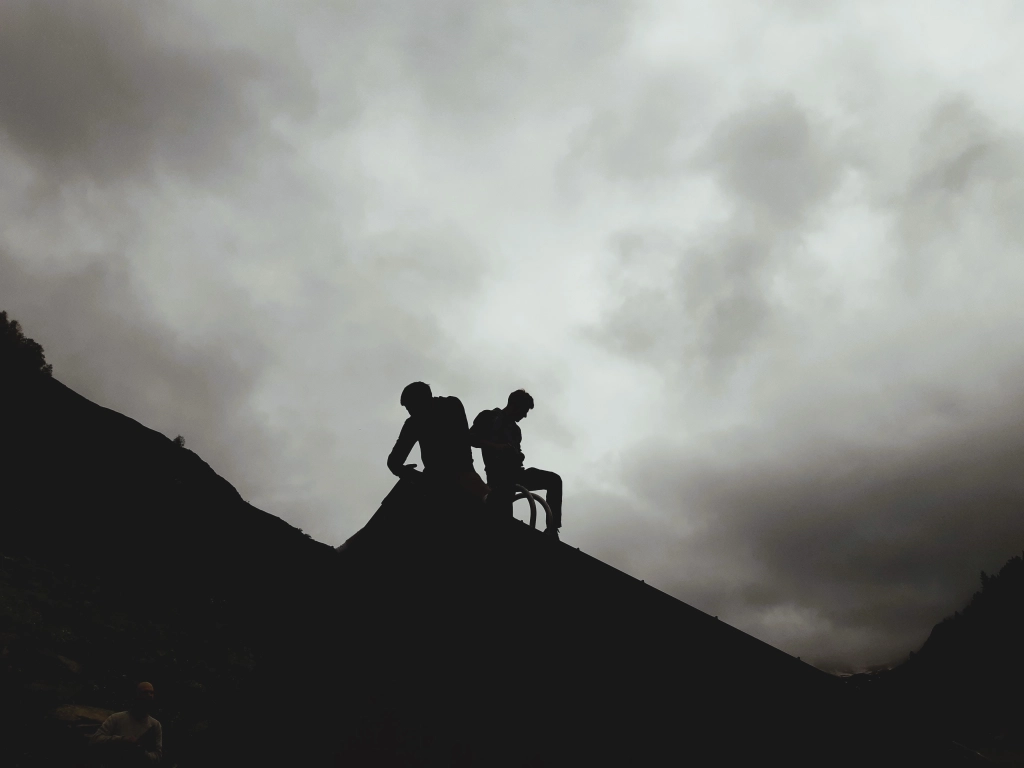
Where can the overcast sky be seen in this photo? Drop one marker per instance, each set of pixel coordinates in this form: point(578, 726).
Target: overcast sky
point(759, 263)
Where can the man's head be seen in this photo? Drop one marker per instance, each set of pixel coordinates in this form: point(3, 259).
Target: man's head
point(144, 694)
point(519, 402)
point(416, 397)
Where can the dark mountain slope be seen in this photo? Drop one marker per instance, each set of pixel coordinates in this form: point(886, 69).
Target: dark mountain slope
point(100, 468)
point(968, 675)
point(440, 638)
point(131, 557)
point(484, 643)
point(87, 487)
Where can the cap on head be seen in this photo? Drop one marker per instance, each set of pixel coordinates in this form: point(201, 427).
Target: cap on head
point(415, 394)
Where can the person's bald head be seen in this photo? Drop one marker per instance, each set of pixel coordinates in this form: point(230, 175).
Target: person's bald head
point(144, 695)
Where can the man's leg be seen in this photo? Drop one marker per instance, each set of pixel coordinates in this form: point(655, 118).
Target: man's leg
point(499, 500)
point(471, 486)
point(541, 480)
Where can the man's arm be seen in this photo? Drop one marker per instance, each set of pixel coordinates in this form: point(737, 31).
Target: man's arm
point(156, 750)
point(403, 446)
point(106, 732)
point(481, 443)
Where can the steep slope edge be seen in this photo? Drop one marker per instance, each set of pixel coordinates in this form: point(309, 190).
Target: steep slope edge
point(449, 639)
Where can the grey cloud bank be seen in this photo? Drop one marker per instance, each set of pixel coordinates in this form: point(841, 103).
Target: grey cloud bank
point(109, 90)
point(760, 269)
point(103, 341)
point(865, 543)
point(860, 502)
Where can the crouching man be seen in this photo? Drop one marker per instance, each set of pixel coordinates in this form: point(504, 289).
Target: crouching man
point(133, 737)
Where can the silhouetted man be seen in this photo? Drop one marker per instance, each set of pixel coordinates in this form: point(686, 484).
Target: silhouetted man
point(496, 433)
point(439, 425)
point(133, 737)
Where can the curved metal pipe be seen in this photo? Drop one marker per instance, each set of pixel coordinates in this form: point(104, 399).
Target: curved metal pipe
point(525, 493)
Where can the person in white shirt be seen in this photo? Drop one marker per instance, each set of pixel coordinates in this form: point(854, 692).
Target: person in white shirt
point(133, 737)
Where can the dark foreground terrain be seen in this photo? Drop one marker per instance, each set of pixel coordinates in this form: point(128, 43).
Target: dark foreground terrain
point(439, 637)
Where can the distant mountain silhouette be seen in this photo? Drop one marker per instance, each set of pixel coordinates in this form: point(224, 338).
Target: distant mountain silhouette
point(968, 675)
point(441, 638)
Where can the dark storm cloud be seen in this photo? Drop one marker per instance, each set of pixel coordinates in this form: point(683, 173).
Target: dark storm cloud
point(110, 90)
point(865, 540)
point(713, 300)
point(103, 342)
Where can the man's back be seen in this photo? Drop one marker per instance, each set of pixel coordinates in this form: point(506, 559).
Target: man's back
point(494, 426)
point(443, 434)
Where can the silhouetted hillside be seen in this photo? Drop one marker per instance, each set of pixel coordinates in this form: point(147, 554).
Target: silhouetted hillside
point(969, 673)
point(18, 353)
point(442, 638)
point(130, 557)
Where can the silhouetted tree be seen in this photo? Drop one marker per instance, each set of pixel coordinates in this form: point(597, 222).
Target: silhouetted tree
point(18, 352)
point(179, 441)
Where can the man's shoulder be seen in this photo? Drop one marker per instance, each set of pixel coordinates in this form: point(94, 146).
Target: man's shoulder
point(154, 723)
point(449, 404)
point(487, 418)
point(117, 719)
point(451, 401)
